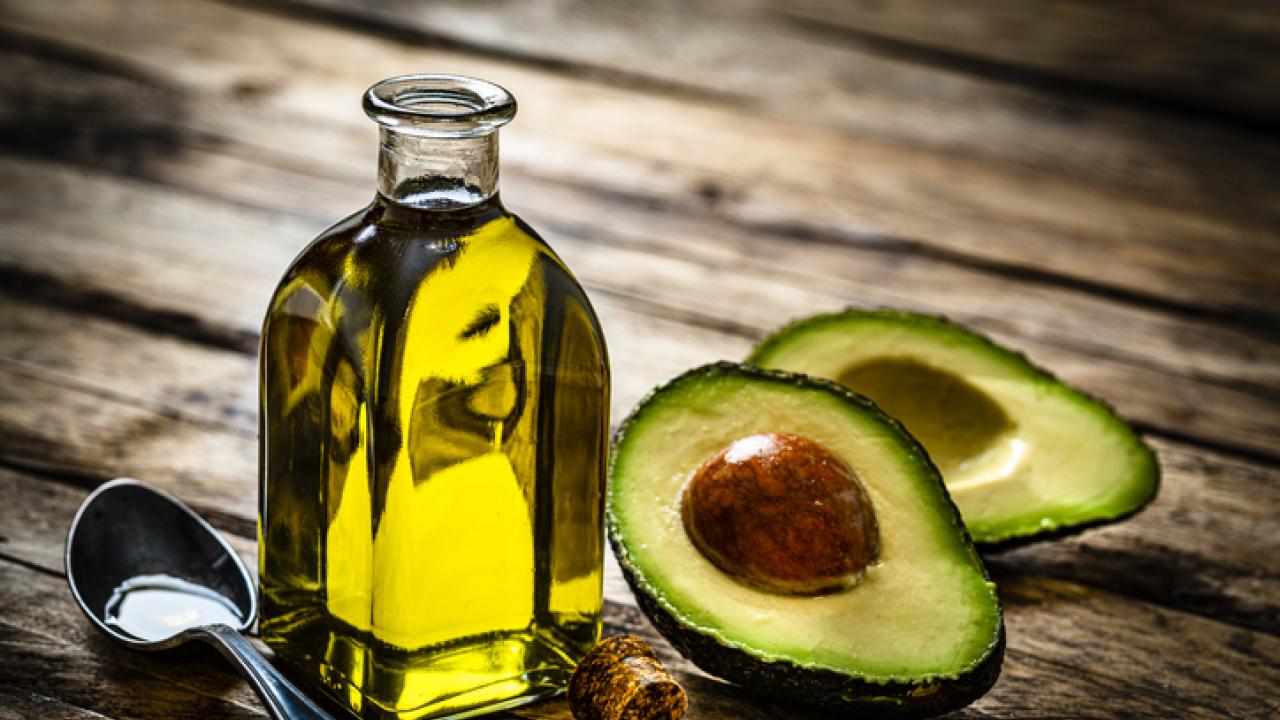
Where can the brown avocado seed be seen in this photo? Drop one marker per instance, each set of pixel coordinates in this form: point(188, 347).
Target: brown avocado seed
point(781, 513)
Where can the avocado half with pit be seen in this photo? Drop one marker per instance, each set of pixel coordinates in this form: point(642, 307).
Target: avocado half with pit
point(1022, 453)
point(786, 535)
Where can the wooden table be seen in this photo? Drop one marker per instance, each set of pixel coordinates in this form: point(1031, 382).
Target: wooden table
point(1094, 188)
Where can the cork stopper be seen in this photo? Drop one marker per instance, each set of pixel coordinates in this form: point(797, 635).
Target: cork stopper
point(622, 679)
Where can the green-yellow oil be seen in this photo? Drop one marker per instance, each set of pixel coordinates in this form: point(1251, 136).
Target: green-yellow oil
point(434, 429)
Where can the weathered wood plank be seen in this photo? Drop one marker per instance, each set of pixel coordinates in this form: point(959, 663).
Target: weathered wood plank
point(209, 121)
point(766, 266)
point(1190, 247)
point(35, 522)
point(644, 348)
point(97, 428)
point(153, 370)
point(144, 137)
point(1140, 660)
point(54, 429)
point(24, 704)
point(66, 672)
point(223, 268)
point(1213, 56)
point(1210, 543)
point(36, 519)
point(50, 648)
point(176, 155)
point(1190, 57)
point(1060, 635)
point(58, 634)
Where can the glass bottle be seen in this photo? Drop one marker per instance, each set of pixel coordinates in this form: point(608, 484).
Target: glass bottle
point(434, 418)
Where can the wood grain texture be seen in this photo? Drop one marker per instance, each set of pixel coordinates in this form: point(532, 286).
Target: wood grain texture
point(56, 628)
point(146, 138)
point(222, 270)
point(24, 704)
point(149, 143)
point(710, 170)
point(1187, 54)
point(1204, 245)
point(48, 644)
point(1060, 634)
point(1209, 544)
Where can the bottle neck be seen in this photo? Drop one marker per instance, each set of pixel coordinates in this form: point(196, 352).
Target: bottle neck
point(437, 173)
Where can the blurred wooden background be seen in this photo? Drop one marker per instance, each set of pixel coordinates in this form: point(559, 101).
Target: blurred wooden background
point(1095, 183)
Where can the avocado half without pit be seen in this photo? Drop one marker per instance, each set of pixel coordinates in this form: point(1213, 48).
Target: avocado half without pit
point(1023, 454)
point(785, 534)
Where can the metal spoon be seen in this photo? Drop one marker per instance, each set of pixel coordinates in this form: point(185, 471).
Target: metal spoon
point(152, 574)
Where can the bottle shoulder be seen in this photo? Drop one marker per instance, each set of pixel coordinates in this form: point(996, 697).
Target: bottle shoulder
point(385, 257)
point(377, 230)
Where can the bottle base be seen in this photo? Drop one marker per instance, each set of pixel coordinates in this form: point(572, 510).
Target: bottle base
point(461, 679)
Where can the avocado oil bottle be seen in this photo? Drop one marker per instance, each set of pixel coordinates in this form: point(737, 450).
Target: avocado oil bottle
point(434, 400)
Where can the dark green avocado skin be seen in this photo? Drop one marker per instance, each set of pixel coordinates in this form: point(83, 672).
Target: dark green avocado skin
point(843, 695)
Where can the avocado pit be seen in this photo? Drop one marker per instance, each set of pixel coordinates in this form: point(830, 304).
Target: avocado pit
point(782, 513)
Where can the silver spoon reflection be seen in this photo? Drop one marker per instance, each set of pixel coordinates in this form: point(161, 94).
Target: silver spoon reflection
point(152, 574)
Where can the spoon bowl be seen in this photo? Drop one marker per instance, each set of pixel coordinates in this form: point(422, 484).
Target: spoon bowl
point(128, 538)
point(152, 574)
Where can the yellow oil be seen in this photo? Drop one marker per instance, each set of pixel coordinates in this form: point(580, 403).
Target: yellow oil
point(434, 429)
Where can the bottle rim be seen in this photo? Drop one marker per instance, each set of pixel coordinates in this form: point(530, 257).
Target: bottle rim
point(443, 106)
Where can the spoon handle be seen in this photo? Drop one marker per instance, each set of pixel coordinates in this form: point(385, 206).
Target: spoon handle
point(282, 699)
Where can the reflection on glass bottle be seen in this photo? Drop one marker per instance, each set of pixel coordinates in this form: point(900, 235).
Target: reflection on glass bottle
point(434, 420)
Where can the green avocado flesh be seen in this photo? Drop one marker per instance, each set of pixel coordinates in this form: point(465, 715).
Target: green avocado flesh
point(1022, 453)
point(920, 632)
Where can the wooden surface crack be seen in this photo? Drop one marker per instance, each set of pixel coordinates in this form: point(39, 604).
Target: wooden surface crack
point(34, 286)
point(34, 567)
point(1258, 455)
point(178, 414)
point(81, 58)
